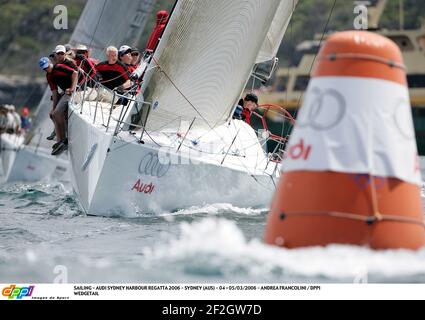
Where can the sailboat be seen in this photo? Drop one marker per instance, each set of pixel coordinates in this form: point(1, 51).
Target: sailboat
point(9, 145)
point(102, 23)
point(175, 144)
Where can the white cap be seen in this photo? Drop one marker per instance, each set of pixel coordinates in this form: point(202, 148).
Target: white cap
point(82, 47)
point(124, 48)
point(60, 49)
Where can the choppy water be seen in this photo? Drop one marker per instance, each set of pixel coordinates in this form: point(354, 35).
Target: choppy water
point(42, 231)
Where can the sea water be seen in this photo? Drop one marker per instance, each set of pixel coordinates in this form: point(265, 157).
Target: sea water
point(43, 233)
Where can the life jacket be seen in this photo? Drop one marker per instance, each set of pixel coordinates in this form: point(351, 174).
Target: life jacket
point(112, 75)
point(87, 65)
point(61, 76)
point(246, 115)
point(161, 22)
point(71, 63)
point(131, 68)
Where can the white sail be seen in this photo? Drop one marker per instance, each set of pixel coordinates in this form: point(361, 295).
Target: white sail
point(122, 22)
point(204, 59)
point(102, 23)
point(277, 30)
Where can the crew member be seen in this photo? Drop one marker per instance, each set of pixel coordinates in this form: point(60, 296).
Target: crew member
point(25, 119)
point(112, 73)
point(65, 78)
point(86, 64)
point(245, 107)
point(124, 55)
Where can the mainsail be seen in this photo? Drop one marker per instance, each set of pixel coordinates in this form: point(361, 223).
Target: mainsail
point(277, 30)
point(204, 60)
point(102, 23)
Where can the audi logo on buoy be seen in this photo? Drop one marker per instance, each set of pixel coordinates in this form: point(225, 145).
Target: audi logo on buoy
point(326, 110)
point(151, 166)
point(403, 120)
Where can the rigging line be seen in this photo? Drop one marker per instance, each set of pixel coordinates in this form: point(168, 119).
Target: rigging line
point(153, 139)
point(274, 183)
point(369, 219)
point(98, 22)
point(255, 141)
point(253, 84)
point(181, 93)
point(137, 140)
point(125, 143)
point(29, 96)
point(325, 30)
point(266, 157)
point(212, 128)
point(248, 170)
point(220, 153)
point(239, 140)
point(291, 40)
point(158, 130)
point(185, 135)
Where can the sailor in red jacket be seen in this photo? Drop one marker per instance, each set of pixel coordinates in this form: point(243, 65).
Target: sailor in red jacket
point(112, 72)
point(245, 107)
point(86, 63)
point(60, 76)
point(161, 22)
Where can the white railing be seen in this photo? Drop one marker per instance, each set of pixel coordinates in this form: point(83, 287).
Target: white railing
point(123, 100)
point(129, 99)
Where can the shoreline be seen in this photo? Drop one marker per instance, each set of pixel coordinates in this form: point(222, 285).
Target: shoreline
point(21, 90)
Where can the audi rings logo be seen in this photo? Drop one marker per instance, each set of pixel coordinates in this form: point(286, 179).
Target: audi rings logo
point(155, 105)
point(326, 110)
point(403, 119)
point(152, 166)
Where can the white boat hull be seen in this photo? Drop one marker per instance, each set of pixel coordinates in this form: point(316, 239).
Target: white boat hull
point(21, 163)
point(117, 176)
point(36, 164)
point(10, 145)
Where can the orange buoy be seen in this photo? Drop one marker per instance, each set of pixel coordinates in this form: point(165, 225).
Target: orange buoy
point(351, 172)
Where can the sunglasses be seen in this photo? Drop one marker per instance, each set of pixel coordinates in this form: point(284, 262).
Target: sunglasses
point(123, 54)
point(135, 54)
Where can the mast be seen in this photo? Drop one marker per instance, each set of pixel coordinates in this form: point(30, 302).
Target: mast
point(401, 13)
